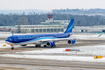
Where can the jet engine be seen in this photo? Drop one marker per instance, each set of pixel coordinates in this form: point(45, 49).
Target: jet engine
point(71, 41)
point(50, 44)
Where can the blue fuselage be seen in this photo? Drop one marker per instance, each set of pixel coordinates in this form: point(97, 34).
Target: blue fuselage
point(35, 37)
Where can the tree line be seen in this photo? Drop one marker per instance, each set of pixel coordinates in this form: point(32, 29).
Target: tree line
point(80, 11)
point(79, 20)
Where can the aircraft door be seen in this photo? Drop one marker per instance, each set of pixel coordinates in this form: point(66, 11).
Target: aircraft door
point(15, 39)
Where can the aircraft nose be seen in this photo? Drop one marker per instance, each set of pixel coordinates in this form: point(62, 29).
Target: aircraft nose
point(6, 40)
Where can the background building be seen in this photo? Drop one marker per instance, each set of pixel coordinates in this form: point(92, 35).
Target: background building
point(55, 26)
point(6, 28)
point(48, 26)
point(38, 28)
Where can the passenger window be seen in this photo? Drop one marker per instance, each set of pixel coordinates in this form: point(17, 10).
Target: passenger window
point(35, 36)
point(23, 36)
point(26, 36)
point(29, 36)
point(32, 36)
point(20, 36)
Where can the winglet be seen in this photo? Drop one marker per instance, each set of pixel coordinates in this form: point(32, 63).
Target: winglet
point(12, 34)
point(100, 35)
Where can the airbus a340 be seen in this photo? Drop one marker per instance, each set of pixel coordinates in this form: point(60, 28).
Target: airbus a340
point(47, 39)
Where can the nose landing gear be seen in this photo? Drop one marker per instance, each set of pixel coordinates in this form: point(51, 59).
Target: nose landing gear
point(12, 47)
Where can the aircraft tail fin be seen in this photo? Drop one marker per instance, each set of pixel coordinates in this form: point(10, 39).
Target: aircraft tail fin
point(70, 26)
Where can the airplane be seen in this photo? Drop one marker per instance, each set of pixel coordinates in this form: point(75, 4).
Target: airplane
point(47, 39)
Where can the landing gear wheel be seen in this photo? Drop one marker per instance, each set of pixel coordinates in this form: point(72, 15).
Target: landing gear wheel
point(12, 48)
point(35, 45)
point(45, 46)
point(38, 46)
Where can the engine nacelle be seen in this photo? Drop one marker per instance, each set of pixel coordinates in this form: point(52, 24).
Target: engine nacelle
point(71, 41)
point(50, 44)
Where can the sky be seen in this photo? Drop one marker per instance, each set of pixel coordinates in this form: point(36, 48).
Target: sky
point(50, 4)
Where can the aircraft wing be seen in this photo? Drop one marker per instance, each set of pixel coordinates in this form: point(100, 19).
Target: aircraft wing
point(57, 39)
point(46, 39)
point(65, 39)
point(93, 37)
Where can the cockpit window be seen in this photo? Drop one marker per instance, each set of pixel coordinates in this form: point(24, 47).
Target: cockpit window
point(9, 39)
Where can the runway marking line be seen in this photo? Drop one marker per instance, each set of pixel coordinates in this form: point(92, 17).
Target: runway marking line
point(60, 64)
point(37, 64)
point(11, 50)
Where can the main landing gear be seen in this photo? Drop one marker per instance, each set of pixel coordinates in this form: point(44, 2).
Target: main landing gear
point(37, 45)
point(50, 46)
point(45, 46)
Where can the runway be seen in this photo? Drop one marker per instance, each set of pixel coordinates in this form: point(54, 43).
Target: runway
point(45, 64)
point(51, 63)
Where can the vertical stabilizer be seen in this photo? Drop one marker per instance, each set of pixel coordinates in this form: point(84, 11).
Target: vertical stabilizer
point(70, 26)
